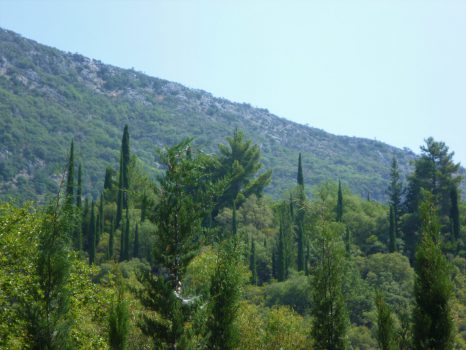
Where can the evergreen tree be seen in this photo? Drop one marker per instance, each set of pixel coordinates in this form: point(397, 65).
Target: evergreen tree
point(395, 190)
point(225, 296)
point(92, 235)
point(253, 263)
point(70, 177)
point(79, 192)
point(85, 217)
point(111, 240)
point(240, 162)
point(329, 311)
point(385, 325)
point(108, 181)
point(100, 221)
point(126, 237)
point(454, 214)
point(119, 321)
point(282, 268)
point(123, 182)
point(48, 319)
point(348, 241)
point(300, 172)
point(339, 209)
point(234, 223)
point(433, 323)
point(136, 243)
point(392, 230)
point(143, 207)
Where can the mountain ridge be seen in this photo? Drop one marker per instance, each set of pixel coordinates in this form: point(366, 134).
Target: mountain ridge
point(49, 96)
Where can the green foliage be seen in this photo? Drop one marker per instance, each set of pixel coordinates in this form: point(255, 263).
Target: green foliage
point(385, 325)
point(433, 324)
point(119, 322)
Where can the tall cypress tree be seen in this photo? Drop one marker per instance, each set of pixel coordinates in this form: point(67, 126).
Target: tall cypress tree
point(119, 321)
point(85, 217)
point(454, 214)
point(70, 177)
point(395, 190)
point(136, 243)
point(123, 181)
point(392, 231)
point(330, 321)
point(433, 323)
point(282, 269)
point(100, 221)
point(348, 241)
point(234, 223)
point(300, 172)
point(92, 235)
point(79, 192)
point(108, 181)
point(339, 209)
point(111, 240)
point(253, 262)
point(385, 325)
point(143, 207)
point(126, 237)
point(225, 296)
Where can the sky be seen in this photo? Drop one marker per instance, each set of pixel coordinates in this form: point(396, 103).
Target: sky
point(390, 70)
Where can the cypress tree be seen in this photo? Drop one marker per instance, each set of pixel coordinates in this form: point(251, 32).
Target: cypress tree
point(70, 177)
point(92, 235)
point(136, 243)
point(433, 323)
point(392, 231)
point(339, 209)
point(330, 320)
point(300, 244)
point(454, 213)
point(100, 221)
point(225, 296)
point(108, 181)
point(143, 207)
point(385, 325)
point(300, 172)
point(394, 193)
point(126, 238)
point(85, 224)
point(123, 181)
point(119, 321)
point(281, 255)
point(234, 224)
point(348, 241)
point(111, 240)
point(253, 263)
point(79, 192)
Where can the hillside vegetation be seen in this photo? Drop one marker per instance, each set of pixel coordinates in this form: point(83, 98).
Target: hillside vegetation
point(48, 96)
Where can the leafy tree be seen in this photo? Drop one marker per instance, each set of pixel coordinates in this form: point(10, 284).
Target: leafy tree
point(433, 324)
point(330, 320)
point(385, 325)
point(225, 296)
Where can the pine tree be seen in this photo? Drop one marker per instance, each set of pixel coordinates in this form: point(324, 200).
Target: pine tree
point(119, 321)
point(454, 214)
point(392, 231)
point(253, 263)
point(92, 235)
point(225, 296)
point(330, 321)
point(339, 209)
point(385, 325)
point(136, 243)
point(70, 177)
point(433, 323)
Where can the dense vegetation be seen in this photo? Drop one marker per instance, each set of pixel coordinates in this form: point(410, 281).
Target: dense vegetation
point(202, 258)
point(48, 97)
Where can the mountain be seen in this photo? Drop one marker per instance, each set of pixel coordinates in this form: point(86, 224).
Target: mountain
point(48, 97)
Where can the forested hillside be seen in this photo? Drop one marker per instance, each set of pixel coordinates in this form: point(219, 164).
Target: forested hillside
point(48, 96)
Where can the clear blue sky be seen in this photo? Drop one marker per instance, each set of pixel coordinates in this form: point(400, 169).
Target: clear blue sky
point(390, 70)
